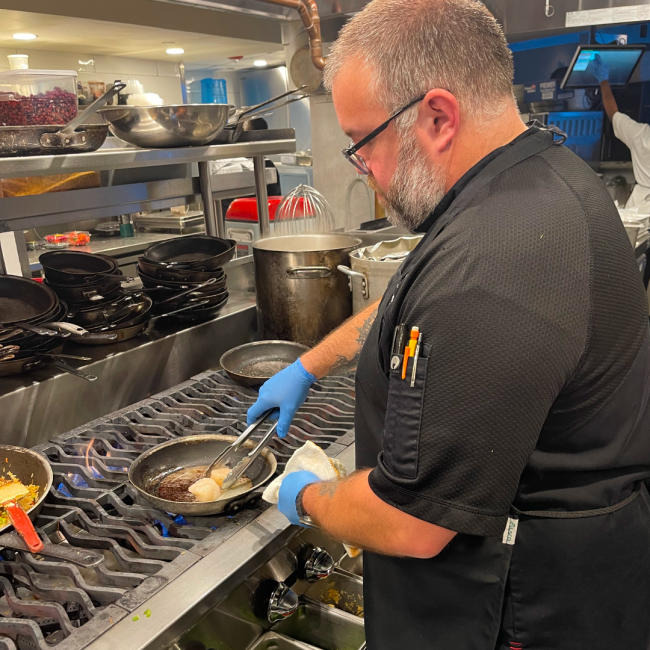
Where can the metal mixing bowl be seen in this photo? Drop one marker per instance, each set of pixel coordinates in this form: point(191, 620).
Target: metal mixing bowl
point(183, 125)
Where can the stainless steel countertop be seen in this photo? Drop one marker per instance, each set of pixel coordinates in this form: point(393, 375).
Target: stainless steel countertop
point(114, 158)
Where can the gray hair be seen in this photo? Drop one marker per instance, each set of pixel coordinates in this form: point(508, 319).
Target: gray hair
point(412, 46)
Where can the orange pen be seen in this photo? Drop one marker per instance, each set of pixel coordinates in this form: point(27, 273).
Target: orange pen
point(409, 350)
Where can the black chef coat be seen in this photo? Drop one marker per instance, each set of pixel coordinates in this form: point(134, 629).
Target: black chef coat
point(532, 394)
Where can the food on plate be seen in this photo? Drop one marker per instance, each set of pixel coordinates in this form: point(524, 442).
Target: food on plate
point(205, 489)
point(219, 475)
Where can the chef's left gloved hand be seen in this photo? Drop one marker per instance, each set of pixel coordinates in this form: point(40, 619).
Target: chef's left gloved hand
point(287, 390)
point(289, 490)
point(598, 69)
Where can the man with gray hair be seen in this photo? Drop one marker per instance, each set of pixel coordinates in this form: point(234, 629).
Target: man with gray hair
point(500, 495)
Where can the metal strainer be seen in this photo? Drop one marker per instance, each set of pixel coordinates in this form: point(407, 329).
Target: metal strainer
point(303, 210)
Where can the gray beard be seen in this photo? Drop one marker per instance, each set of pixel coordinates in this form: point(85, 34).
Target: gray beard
point(415, 189)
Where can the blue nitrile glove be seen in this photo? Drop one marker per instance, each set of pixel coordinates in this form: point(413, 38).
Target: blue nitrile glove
point(286, 390)
point(289, 490)
point(598, 69)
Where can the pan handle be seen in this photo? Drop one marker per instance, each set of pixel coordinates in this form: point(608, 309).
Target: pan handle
point(244, 500)
point(60, 365)
point(23, 524)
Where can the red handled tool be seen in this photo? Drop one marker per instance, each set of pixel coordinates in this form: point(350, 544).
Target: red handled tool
point(9, 494)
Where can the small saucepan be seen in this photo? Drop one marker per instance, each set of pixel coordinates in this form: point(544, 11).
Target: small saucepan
point(153, 469)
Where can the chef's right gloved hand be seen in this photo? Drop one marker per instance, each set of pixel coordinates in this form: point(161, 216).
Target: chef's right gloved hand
point(598, 69)
point(287, 391)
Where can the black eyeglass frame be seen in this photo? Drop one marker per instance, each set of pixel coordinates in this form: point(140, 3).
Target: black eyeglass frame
point(350, 153)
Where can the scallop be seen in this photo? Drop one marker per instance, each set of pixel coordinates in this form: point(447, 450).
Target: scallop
point(205, 489)
point(219, 475)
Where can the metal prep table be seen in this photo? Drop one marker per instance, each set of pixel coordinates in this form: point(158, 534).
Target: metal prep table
point(194, 184)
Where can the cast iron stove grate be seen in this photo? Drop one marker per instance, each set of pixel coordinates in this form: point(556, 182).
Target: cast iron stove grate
point(46, 603)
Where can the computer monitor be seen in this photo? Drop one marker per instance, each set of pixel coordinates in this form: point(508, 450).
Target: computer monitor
point(620, 59)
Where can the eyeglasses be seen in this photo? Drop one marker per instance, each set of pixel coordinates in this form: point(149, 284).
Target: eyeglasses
point(351, 152)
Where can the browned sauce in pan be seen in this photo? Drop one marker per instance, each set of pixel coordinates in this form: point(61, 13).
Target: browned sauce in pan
point(174, 487)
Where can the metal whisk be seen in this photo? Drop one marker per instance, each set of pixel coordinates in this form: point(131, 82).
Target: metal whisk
point(303, 210)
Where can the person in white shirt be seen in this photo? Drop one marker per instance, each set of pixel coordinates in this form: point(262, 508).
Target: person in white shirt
point(634, 134)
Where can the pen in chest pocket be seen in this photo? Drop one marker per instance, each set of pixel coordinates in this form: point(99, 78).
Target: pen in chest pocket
point(416, 356)
point(409, 350)
point(398, 345)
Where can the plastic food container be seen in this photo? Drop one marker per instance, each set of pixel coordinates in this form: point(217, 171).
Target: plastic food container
point(59, 240)
point(78, 238)
point(33, 97)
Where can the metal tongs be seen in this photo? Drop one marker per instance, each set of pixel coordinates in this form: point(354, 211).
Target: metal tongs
point(245, 462)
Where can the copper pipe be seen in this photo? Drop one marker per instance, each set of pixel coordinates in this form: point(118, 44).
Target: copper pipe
point(308, 12)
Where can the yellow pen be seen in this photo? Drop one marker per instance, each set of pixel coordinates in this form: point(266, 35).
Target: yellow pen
point(409, 350)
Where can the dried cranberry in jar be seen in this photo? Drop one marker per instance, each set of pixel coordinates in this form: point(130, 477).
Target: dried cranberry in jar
point(55, 106)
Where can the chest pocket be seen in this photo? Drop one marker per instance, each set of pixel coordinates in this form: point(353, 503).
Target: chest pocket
point(403, 420)
point(388, 316)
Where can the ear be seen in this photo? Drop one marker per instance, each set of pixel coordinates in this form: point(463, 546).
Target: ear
point(439, 119)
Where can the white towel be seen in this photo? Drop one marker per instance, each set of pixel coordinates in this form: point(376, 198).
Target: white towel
point(309, 457)
point(312, 458)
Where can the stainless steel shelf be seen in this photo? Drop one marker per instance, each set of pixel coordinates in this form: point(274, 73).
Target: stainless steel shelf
point(109, 158)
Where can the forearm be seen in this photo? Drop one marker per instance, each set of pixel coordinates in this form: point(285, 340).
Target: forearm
point(609, 103)
point(350, 511)
point(339, 352)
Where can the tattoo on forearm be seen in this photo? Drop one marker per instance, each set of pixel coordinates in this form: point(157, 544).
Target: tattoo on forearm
point(328, 489)
point(346, 364)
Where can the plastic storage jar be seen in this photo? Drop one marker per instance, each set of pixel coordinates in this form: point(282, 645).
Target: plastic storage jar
point(33, 97)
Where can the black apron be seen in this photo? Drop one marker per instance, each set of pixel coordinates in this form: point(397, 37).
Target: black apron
point(541, 586)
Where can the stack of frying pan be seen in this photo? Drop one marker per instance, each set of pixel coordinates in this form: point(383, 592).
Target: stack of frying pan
point(92, 285)
point(186, 275)
point(33, 328)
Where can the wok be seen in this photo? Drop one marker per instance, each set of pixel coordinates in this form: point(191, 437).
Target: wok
point(174, 274)
point(76, 267)
point(149, 469)
point(252, 364)
point(196, 252)
point(55, 139)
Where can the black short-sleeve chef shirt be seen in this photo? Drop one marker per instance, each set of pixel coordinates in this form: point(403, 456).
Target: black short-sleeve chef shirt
point(532, 311)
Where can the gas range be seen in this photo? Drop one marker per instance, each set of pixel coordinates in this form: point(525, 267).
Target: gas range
point(48, 603)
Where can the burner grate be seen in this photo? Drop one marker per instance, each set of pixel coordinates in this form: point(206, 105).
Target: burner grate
point(46, 603)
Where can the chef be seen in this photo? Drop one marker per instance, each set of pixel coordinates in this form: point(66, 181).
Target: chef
point(500, 493)
point(635, 135)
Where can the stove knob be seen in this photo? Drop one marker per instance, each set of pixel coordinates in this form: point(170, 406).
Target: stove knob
point(319, 565)
point(282, 603)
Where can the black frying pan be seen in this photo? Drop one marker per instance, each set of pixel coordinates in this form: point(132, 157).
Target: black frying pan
point(120, 334)
point(45, 355)
point(152, 467)
point(203, 311)
point(197, 252)
point(76, 267)
point(174, 274)
point(87, 293)
point(121, 310)
point(252, 364)
point(23, 300)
